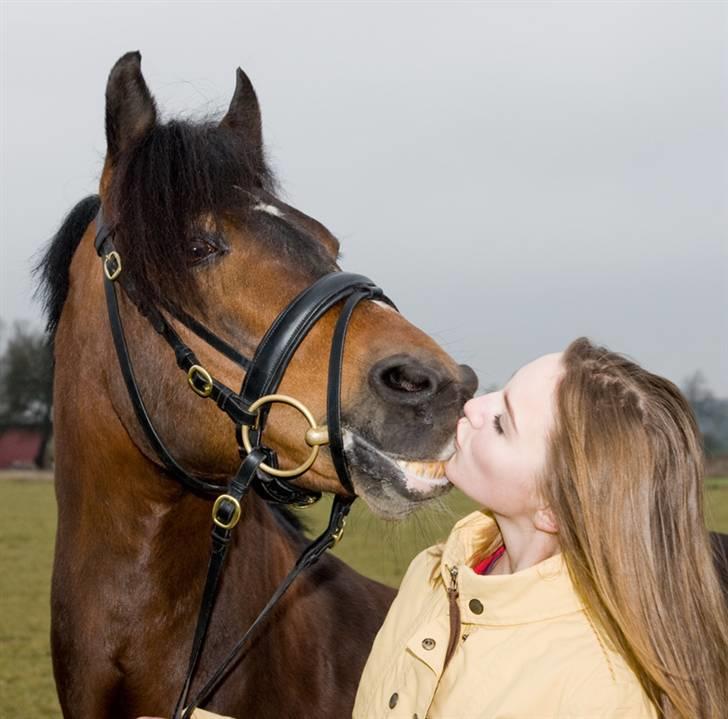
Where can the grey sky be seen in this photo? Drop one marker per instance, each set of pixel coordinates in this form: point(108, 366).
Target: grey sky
point(513, 174)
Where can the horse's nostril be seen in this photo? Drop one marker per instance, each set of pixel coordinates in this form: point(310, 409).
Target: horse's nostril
point(406, 378)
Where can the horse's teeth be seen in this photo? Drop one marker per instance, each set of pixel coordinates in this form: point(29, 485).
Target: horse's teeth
point(428, 469)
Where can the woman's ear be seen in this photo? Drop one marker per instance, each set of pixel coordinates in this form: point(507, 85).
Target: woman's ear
point(545, 521)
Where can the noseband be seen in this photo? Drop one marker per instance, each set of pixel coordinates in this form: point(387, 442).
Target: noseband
point(248, 409)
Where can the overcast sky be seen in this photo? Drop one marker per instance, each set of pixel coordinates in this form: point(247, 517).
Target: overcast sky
point(513, 174)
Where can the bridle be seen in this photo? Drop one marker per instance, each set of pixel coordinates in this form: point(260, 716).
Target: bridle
point(248, 409)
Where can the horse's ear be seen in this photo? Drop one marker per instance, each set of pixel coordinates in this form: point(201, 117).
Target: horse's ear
point(243, 115)
point(130, 109)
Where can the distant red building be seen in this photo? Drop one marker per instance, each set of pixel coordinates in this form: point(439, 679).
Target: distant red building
point(20, 447)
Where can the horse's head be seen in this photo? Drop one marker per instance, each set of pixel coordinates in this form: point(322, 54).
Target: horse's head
point(201, 229)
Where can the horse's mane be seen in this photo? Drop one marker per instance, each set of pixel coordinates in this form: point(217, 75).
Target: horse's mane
point(53, 266)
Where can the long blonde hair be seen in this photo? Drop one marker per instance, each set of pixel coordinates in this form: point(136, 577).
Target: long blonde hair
point(624, 479)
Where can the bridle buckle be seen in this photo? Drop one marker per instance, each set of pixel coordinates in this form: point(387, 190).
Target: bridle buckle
point(234, 519)
point(112, 265)
point(198, 372)
point(339, 533)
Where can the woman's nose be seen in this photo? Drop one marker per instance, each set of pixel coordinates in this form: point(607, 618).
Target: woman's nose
point(477, 409)
point(474, 410)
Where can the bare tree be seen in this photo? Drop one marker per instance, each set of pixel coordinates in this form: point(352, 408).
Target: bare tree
point(26, 383)
point(711, 413)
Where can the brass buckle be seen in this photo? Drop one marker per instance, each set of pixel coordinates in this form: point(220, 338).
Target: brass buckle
point(199, 371)
point(307, 502)
point(339, 533)
point(315, 436)
point(112, 274)
point(236, 511)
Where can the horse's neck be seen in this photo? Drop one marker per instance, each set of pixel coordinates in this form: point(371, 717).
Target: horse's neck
point(130, 518)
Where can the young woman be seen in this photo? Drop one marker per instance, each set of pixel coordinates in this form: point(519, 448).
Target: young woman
point(585, 588)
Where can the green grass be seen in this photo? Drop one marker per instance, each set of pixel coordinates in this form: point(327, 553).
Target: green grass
point(27, 528)
point(716, 503)
point(378, 549)
point(383, 550)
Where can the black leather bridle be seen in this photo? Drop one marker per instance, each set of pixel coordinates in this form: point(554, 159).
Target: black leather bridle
point(248, 409)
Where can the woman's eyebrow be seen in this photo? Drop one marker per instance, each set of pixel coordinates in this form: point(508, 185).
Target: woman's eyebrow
point(510, 410)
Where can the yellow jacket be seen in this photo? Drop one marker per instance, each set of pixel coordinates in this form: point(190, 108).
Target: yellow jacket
point(525, 650)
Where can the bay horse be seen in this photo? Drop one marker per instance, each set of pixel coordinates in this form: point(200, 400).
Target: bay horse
point(202, 231)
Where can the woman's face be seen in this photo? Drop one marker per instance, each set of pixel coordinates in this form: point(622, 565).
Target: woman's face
point(501, 441)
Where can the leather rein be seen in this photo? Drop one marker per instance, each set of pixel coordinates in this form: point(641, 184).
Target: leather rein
point(248, 409)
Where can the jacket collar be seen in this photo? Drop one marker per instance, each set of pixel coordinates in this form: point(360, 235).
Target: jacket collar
point(540, 592)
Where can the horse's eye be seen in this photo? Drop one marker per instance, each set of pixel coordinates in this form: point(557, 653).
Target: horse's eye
point(200, 248)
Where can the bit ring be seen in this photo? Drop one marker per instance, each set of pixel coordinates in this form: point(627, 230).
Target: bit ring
point(315, 436)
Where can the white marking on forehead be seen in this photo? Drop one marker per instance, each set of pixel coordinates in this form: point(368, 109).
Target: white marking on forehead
point(381, 303)
point(270, 209)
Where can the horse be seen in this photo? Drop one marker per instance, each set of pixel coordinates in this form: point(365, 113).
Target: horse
point(202, 230)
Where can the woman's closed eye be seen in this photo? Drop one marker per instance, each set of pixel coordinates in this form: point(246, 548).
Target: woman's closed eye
point(497, 424)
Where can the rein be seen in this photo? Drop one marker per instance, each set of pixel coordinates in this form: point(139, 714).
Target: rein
point(248, 409)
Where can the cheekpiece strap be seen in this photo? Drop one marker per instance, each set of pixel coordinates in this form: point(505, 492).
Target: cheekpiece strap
point(337, 519)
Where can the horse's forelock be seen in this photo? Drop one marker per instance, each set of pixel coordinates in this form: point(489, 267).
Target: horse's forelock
point(161, 187)
point(182, 172)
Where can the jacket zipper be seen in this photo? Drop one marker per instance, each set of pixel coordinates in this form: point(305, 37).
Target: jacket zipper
point(454, 611)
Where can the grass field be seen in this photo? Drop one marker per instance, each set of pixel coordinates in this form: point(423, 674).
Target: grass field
point(27, 524)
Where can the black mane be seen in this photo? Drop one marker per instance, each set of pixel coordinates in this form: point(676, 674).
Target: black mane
point(53, 266)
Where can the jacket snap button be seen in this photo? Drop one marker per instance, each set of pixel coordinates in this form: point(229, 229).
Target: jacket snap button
point(476, 606)
point(393, 700)
point(428, 643)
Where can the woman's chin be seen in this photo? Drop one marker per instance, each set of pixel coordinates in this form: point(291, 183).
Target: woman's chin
point(451, 473)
